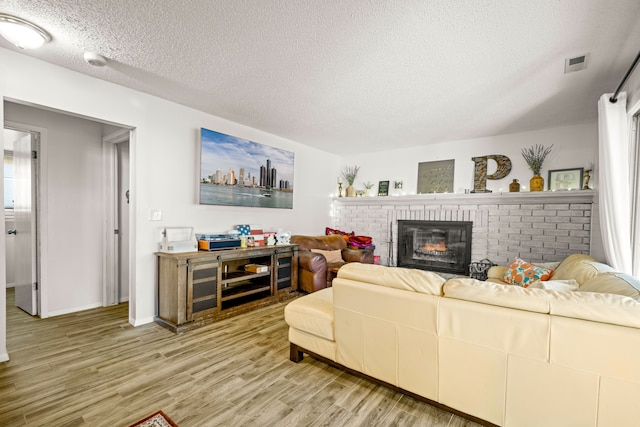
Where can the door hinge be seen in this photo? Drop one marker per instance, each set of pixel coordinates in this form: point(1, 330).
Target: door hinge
point(35, 286)
point(116, 231)
point(34, 155)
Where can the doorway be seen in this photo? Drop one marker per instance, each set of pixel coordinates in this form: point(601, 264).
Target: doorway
point(20, 203)
point(71, 211)
point(117, 196)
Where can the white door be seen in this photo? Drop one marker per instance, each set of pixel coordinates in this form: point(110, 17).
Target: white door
point(116, 282)
point(25, 220)
point(123, 219)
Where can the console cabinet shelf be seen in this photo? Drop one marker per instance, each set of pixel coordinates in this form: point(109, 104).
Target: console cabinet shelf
point(197, 288)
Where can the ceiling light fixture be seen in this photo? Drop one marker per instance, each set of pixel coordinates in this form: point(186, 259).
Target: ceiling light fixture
point(21, 33)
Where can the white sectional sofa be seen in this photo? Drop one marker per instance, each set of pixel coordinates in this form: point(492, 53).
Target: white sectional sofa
point(499, 354)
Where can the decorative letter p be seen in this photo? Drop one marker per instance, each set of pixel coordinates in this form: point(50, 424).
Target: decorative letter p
point(480, 176)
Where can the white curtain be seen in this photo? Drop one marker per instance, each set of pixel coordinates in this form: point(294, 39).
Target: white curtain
point(615, 157)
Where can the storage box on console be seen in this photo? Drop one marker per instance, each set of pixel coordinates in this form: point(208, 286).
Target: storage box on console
point(211, 242)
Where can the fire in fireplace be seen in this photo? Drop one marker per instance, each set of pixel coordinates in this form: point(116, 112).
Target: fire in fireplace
point(443, 246)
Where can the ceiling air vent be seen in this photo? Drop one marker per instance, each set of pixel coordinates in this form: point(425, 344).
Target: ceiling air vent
point(576, 63)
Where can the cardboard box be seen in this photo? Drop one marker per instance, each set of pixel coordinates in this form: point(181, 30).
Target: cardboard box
point(256, 268)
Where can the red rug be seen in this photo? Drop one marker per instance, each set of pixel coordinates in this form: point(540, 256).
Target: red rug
point(157, 419)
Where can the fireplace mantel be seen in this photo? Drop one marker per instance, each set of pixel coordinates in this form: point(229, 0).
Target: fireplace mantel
point(533, 197)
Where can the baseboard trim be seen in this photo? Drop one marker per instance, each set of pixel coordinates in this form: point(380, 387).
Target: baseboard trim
point(296, 355)
point(4, 357)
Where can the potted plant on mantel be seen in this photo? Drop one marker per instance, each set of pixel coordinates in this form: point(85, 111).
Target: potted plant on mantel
point(534, 156)
point(368, 188)
point(349, 173)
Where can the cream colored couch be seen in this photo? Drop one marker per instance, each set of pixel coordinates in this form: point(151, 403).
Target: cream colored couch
point(498, 354)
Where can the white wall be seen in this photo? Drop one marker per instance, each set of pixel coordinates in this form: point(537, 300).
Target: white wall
point(164, 153)
point(573, 147)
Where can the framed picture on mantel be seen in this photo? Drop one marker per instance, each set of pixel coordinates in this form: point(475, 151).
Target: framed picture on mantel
point(565, 179)
point(383, 188)
point(436, 177)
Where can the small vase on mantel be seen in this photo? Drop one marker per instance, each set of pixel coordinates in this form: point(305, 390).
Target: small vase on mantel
point(350, 191)
point(514, 187)
point(536, 183)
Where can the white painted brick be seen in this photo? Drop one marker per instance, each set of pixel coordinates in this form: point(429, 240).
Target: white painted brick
point(543, 250)
point(571, 213)
point(487, 207)
point(543, 238)
point(557, 219)
point(581, 220)
point(556, 245)
point(579, 247)
point(508, 207)
point(544, 225)
point(570, 226)
point(532, 244)
point(556, 232)
point(580, 233)
point(532, 219)
point(581, 206)
point(519, 237)
point(520, 226)
point(546, 232)
point(569, 239)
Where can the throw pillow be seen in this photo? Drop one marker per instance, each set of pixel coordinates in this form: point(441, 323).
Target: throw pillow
point(555, 285)
point(523, 273)
point(331, 256)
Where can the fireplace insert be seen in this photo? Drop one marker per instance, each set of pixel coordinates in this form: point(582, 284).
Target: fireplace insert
point(443, 246)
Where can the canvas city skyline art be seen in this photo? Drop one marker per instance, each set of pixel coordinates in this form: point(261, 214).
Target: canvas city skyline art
point(238, 172)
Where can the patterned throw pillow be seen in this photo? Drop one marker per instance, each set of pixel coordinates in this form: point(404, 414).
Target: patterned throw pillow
point(523, 273)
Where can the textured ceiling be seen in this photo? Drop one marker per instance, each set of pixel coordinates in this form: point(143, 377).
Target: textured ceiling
point(353, 75)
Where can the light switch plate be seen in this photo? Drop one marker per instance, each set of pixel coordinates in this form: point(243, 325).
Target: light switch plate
point(155, 215)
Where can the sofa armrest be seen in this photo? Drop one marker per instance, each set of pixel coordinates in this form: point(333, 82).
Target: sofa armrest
point(363, 256)
point(312, 261)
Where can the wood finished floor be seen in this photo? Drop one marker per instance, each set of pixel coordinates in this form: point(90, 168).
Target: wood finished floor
point(94, 369)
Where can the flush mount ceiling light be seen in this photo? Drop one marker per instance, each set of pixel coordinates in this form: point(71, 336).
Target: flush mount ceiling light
point(21, 33)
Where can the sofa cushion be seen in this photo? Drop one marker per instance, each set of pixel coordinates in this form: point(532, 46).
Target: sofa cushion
point(312, 313)
point(613, 283)
point(567, 268)
point(332, 256)
point(502, 295)
point(598, 307)
point(426, 282)
point(523, 273)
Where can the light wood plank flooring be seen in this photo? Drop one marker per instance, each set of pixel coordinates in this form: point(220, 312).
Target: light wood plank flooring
point(94, 369)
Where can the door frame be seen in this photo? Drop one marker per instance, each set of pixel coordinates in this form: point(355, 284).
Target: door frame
point(41, 212)
point(111, 261)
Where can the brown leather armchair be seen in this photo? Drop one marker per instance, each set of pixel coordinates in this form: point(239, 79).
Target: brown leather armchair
point(314, 272)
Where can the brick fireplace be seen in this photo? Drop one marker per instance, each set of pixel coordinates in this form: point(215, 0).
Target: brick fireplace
point(539, 227)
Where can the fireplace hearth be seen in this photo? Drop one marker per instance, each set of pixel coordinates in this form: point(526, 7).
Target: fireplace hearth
point(443, 246)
